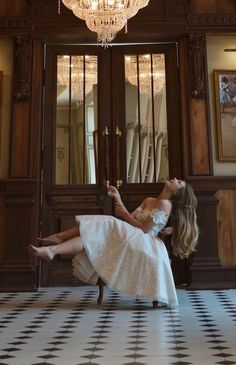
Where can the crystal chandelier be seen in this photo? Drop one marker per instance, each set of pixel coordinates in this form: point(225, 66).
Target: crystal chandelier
point(147, 71)
point(105, 17)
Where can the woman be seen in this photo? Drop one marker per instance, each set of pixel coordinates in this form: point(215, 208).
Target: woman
point(127, 254)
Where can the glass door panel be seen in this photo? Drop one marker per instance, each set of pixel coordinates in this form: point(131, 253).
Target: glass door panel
point(146, 118)
point(76, 119)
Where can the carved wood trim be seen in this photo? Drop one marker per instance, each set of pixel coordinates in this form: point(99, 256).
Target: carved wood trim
point(23, 56)
point(197, 53)
point(15, 22)
point(212, 19)
point(42, 10)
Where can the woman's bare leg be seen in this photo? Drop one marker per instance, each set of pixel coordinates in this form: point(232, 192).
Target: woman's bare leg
point(59, 237)
point(70, 247)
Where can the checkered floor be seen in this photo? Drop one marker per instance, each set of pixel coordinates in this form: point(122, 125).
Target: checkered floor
point(64, 326)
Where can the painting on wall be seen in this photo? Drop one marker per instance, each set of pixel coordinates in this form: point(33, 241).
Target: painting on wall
point(225, 94)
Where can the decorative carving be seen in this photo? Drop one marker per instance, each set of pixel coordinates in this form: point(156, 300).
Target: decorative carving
point(42, 11)
point(15, 22)
point(212, 19)
point(176, 9)
point(60, 152)
point(197, 64)
point(23, 53)
point(44, 8)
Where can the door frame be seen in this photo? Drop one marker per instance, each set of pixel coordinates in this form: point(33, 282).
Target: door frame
point(61, 203)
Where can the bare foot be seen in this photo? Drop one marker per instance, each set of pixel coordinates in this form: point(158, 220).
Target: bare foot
point(50, 240)
point(45, 253)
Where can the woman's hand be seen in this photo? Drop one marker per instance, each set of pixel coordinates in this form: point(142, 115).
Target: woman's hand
point(112, 192)
point(120, 210)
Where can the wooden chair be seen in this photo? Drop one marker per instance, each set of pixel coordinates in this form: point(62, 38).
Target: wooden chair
point(101, 284)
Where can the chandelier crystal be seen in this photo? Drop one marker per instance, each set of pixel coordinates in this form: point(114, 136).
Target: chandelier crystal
point(77, 73)
point(146, 71)
point(105, 17)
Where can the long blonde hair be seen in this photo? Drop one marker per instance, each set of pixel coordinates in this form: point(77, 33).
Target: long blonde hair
point(183, 220)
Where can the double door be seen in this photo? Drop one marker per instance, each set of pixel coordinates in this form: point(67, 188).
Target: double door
point(111, 116)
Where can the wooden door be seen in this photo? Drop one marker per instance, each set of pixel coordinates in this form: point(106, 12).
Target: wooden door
point(111, 116)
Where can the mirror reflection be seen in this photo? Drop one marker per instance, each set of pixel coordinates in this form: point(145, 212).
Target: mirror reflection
point(146, 119)
point(76, 119)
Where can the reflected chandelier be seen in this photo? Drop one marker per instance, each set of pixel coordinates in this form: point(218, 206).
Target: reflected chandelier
point(105, 17)
point(147, 71)
point(78, 76)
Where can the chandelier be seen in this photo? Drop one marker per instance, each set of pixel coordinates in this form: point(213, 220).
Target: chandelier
point(78, 74)
point(105, 17)
point(146, 71)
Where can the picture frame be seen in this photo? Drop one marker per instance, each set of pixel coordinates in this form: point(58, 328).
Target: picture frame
point(225, 102)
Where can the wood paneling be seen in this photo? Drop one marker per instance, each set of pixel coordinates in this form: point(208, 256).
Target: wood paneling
point(2, 226)
point(207, 271)
point(212, 6)
point(20, 140)
point(20, 212)
point(200, 148)
point(14, 8)
point(226, 214)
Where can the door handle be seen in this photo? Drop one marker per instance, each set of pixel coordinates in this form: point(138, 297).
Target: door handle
point(105, 134)
point(118, 135)
point(119, 182)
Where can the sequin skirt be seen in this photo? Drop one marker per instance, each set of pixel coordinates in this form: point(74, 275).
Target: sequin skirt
point(125, 257)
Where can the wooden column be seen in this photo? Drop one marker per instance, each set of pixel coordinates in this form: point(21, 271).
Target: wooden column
point(200, 124)
point(20, 192)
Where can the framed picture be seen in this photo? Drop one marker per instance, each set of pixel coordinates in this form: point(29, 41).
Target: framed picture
point(225, 95)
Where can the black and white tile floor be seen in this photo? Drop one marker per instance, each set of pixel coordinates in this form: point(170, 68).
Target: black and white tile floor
point(64, 326)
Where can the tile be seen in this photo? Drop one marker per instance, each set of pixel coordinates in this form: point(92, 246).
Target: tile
point(59, 326)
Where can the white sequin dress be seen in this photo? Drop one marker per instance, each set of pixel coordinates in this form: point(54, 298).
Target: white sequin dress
point(125, 257)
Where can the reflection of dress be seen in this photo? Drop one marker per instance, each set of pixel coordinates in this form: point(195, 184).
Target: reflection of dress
point(125, 257)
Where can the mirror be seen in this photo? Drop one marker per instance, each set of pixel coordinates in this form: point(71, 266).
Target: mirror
point(76, 119)
point(146, 119)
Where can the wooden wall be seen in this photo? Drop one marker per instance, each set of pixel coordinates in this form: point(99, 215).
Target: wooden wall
point(14, 7)
point(212, 6)
point(226, 218)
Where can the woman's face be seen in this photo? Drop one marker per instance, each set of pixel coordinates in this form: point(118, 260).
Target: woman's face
point(174, 185)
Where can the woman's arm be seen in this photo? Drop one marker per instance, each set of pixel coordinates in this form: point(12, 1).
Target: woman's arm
point(122, 212)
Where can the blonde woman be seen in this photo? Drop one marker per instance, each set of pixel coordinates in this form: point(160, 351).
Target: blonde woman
point(127, 254)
